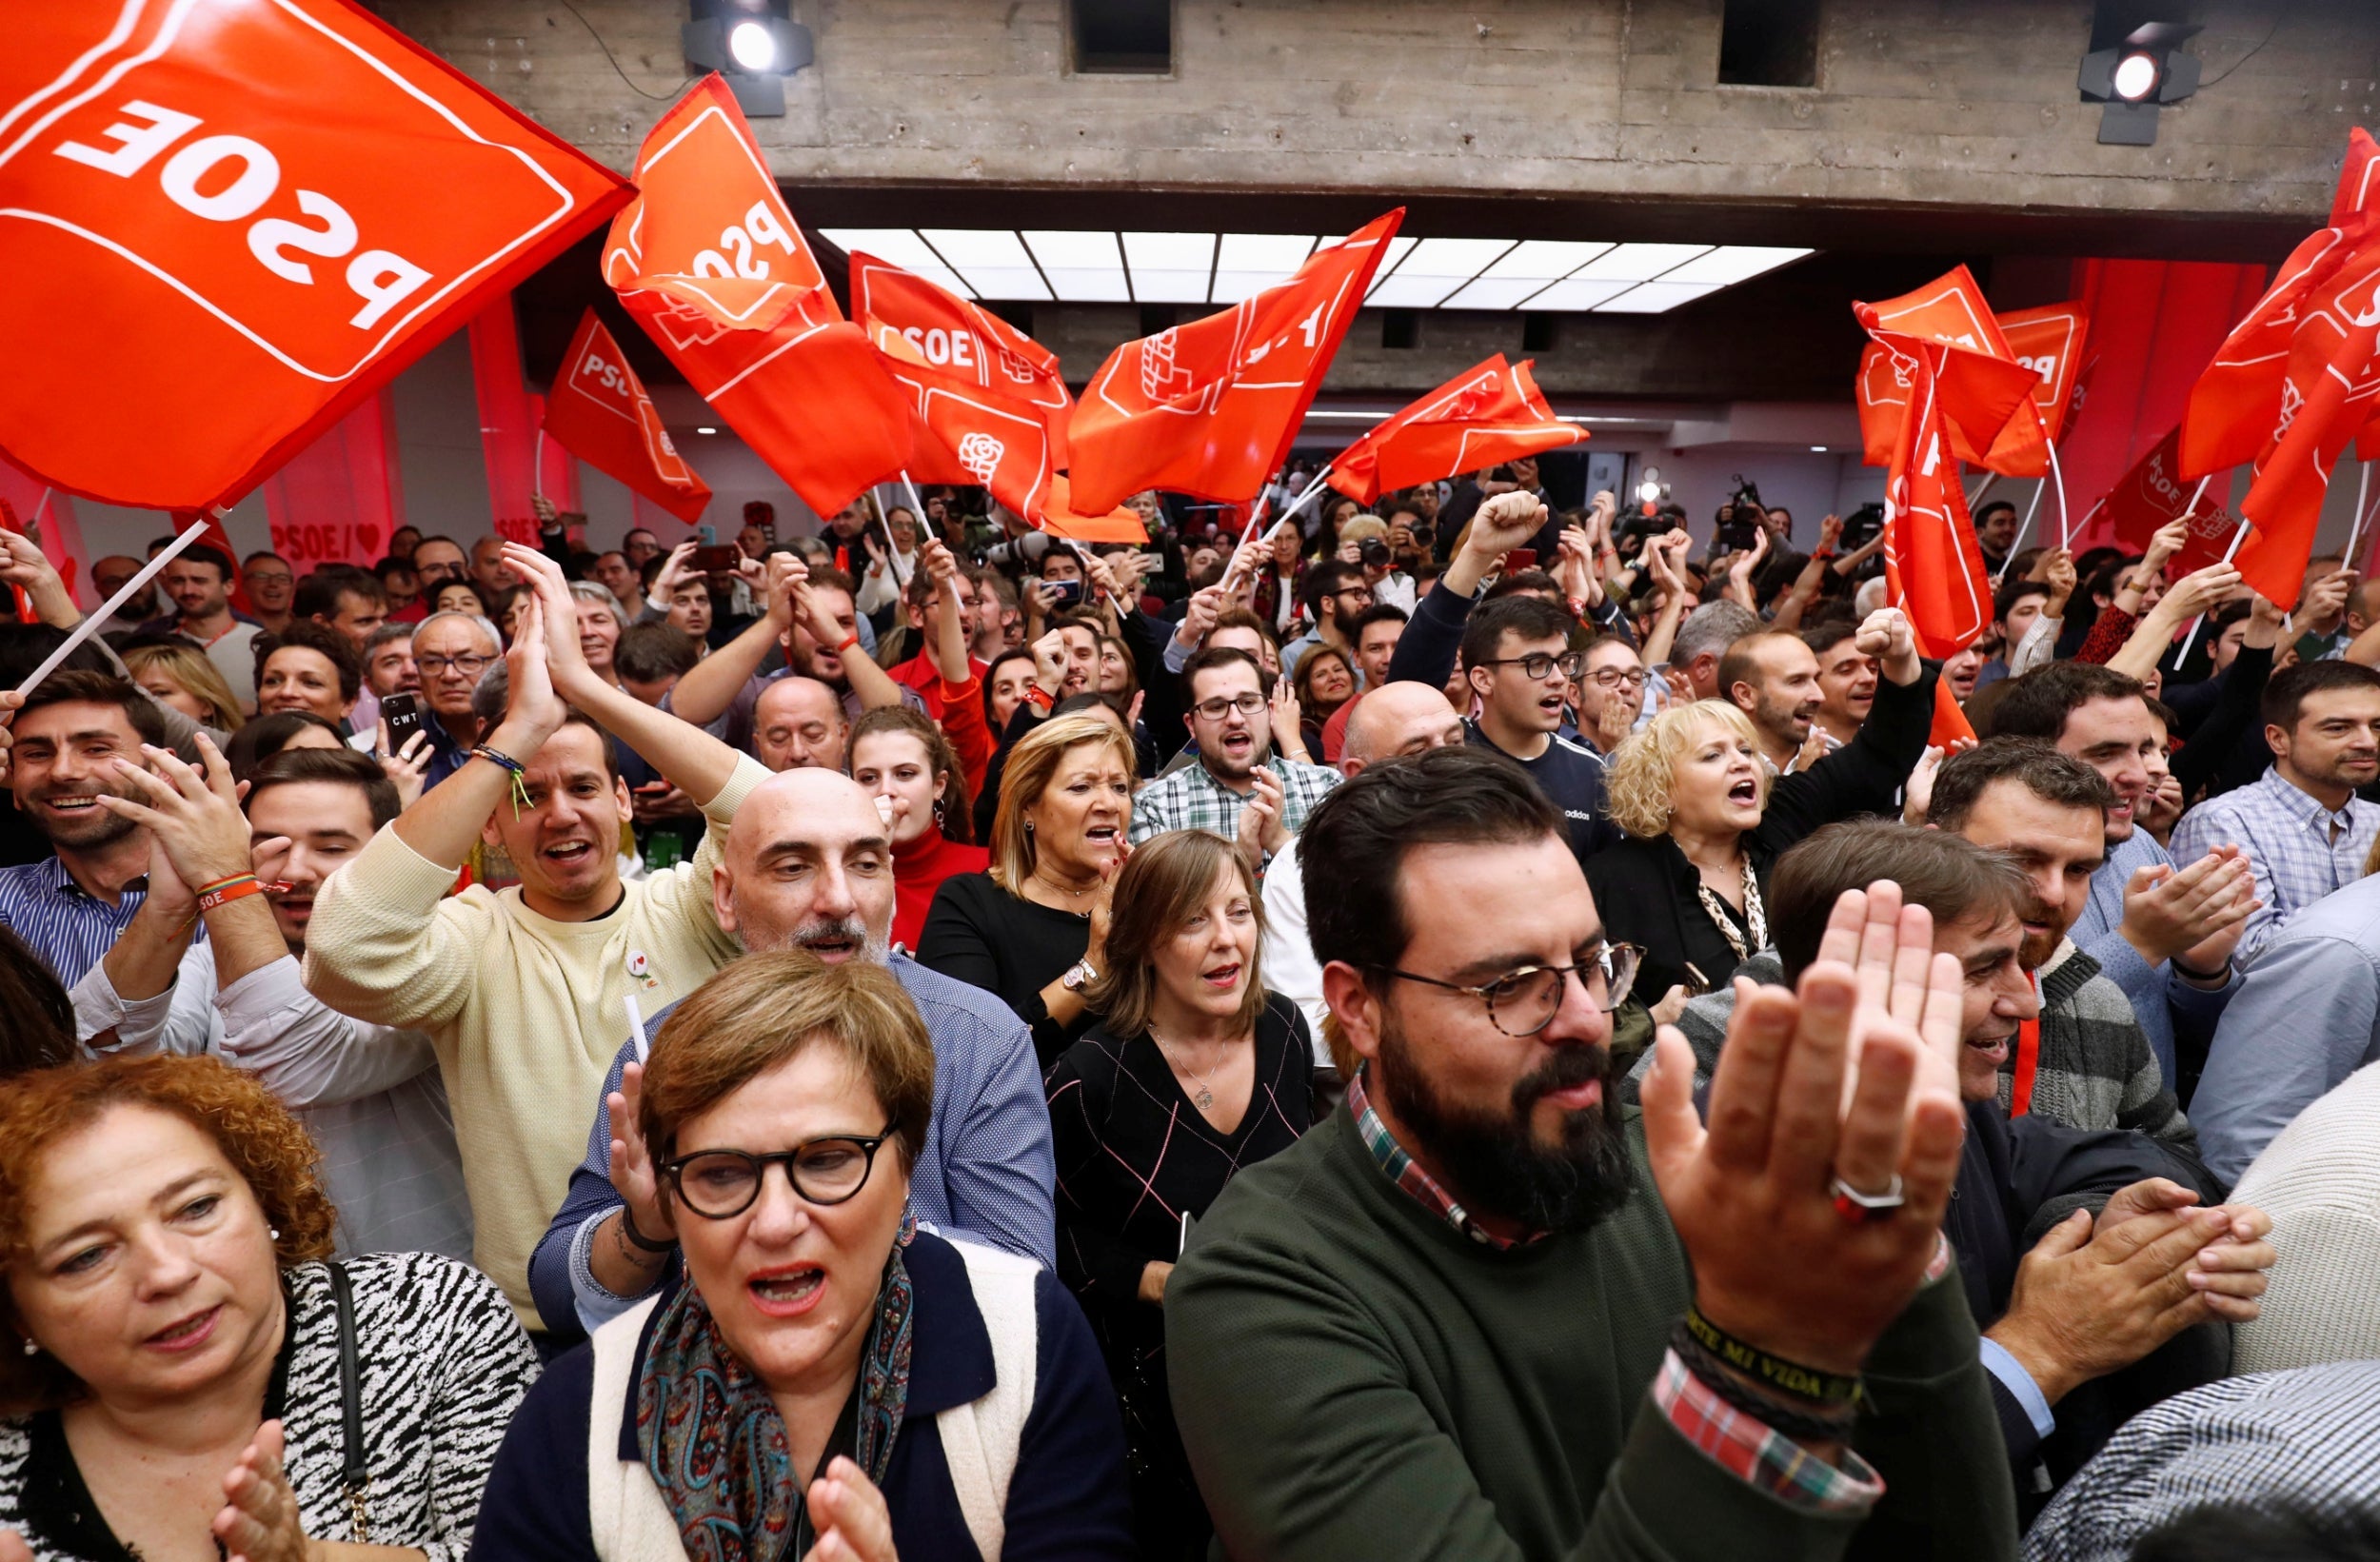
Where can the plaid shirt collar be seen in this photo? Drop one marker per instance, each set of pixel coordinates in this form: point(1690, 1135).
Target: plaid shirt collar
point(1407, 1174)
point(2292, 803)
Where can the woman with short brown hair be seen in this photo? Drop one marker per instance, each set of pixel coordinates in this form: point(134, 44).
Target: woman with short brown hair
point(178, 1380)
point(829, 1380)
point(1192, 1072)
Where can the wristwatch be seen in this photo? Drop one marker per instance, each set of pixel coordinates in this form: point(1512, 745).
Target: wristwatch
point(1078, 974)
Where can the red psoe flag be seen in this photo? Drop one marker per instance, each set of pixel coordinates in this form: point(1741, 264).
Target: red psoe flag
point(598, 410)
point(2237, 401)
point(222, 225)
point(1117, 526)
point(1945, 334)
point(2328, 390)
point(1209, 408)
point(2048, 341)
point(2154, 492)
point(991, 404)
point(714, 268)
point(1932, 566)
point(1491, 413)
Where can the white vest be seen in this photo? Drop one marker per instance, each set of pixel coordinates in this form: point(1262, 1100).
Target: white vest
point(632, 1523)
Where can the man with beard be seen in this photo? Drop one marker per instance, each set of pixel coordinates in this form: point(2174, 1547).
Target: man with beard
point(66, 738)
point(521, 990)
point(2307, 834)
point(2163, 930)
point(812, 624)
point(808, 865)
point(1239, 788)
point(368, 1095)
point(1467, 1315)
point(1336, 597)
point(2085, 1061)
point(1995, 530)
point(200, 583)
point(1772, 676)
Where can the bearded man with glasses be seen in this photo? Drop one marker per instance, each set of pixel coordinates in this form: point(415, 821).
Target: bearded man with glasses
point(1240, 788)
point(1479, 1313)
point(1518, 665)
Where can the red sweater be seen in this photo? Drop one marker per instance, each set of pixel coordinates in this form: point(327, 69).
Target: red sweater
point(919, 869)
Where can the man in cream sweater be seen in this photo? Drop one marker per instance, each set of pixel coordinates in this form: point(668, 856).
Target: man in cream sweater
point(521, 990)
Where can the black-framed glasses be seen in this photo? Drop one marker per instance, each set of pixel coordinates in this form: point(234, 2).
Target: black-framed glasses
point(470, 666)
point(1523, 1002)
point(1612, 678)
point(722, 1184)
point(1538, 666)
point(1221, 706)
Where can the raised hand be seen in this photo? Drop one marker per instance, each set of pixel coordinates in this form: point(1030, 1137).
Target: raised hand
point(2170, 910)
point(533, 712)
point(849, 1516)
point(1287, 721)
point(675, 571)
point(1503, 524)
point(1049, 663)
point(2202, 590)
point(259, 1521)
point(786, 574)
point(1261, 832)
point(194, 820)
point(408, 767)
point(632, 1172)
point(1758, 1180)
point(566, 662)
point(1885, 635)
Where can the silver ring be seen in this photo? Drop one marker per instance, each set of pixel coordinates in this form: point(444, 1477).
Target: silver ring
point(1860, 1208)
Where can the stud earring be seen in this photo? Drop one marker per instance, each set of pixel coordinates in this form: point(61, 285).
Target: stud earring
point(32, 1349)
point(276, 1231)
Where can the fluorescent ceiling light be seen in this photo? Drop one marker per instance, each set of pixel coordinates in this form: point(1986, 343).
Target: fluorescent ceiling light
point(1638, 262)
point(1577, 293)
point(1082, 268)
point(992, 259)
point(1732, 263)
point(1656, 297)
point(901, 246)
point(1170, 267)
point(1096, 265)
point(1249, 262)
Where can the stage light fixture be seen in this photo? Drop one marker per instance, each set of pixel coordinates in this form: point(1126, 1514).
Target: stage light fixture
point(1649, 492)
point(754, 45)
point(2132, 79)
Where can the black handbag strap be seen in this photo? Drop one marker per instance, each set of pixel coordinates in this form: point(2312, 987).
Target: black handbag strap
point(353, 1471)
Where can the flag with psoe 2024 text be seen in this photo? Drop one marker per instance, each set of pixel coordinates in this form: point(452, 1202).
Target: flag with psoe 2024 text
point(222, 225)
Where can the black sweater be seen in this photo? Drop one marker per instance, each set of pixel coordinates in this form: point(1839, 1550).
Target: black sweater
point(980, 934)
point(1646, 889)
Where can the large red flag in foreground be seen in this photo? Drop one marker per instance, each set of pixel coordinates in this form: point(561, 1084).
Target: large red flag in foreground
point(223, 225)
point(1489, 413)
point(599, 411)
point(717, 272)
point(990, 401)
point(1209, 408)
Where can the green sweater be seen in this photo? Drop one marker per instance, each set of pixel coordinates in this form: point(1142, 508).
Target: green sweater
point(1353, 1378)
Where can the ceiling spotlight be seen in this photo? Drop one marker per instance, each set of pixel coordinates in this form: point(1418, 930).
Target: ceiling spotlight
point(754, 44)
point(1817, 450)
point(706, 429)
point(2142, 71)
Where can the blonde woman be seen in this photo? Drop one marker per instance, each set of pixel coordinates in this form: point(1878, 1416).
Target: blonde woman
point(182, 679)
point(1032, 928)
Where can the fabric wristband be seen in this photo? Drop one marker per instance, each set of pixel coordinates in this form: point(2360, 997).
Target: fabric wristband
point(849, 641)
point(1788, 1377)
point(1795, 1421)
point(229, 890)
point(636, 1239)
point(1039, 698)
point(512, 766)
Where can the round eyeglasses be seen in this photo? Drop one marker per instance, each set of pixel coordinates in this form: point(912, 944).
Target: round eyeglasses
point(722, 1184)
point(1524, 1001)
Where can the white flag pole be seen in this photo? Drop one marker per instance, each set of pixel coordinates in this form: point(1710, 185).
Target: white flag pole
point(106, 610)
point(537, 467)
point(2024, 530)
point(636, 1025)
point(2363, 486)
point(2237, 537)
point(2065, 522)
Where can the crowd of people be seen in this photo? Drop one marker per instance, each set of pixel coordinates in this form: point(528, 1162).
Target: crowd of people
point(1474, 1029)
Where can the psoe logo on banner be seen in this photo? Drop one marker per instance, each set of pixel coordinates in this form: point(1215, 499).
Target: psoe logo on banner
point(281, 224)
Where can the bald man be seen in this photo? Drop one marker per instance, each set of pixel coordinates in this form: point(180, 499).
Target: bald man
point(1391, 723)
point(808, 865)
point(797, 722)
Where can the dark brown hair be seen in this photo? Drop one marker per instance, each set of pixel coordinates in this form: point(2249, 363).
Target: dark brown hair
point(957, 818)
point(1165, 884)
point(1949, 875)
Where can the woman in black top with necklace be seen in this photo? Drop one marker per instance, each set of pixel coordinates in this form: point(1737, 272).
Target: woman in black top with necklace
point(1192, 1072)
point(1032, 929)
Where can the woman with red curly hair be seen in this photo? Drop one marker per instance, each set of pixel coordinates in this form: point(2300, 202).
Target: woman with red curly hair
point(185, 1376)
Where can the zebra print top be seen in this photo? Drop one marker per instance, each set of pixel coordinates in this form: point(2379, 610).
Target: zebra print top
point(444, 1364)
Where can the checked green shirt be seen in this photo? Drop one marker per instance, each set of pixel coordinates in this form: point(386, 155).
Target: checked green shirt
point(1191, 800)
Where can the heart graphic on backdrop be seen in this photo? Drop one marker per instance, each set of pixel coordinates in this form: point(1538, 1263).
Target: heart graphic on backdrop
point(368, 541)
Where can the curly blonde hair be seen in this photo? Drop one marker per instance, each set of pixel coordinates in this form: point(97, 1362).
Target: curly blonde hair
point(256, 1133)
point(1639, 781)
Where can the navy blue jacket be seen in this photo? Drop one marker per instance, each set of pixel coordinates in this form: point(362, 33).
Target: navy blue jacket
point(1068, 1499)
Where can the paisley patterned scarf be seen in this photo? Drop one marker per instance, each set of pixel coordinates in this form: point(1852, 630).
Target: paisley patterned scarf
point(715, 1445)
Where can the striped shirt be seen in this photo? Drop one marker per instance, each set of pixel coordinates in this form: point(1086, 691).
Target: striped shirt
point(2308, 1439)
point(64, 924)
